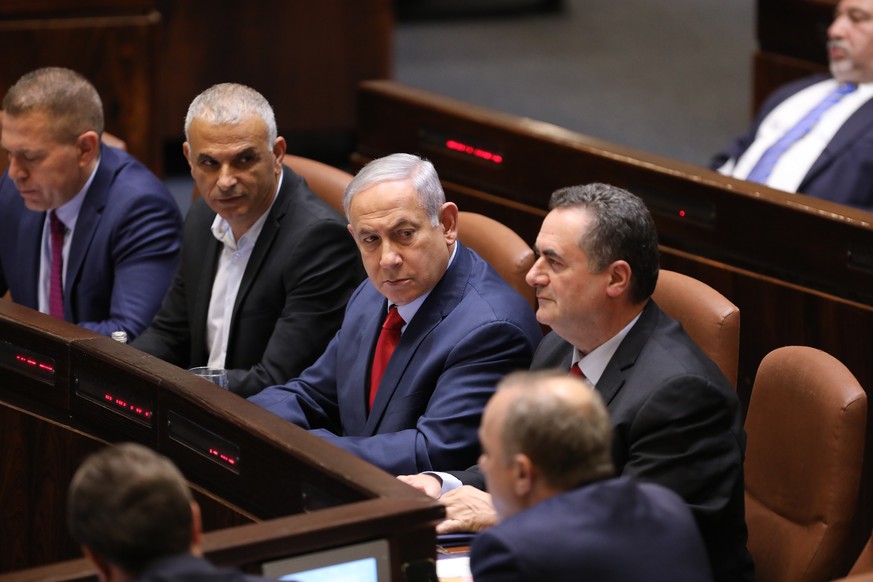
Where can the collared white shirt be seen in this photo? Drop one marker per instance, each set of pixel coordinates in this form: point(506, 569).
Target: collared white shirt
point(594, 363)
point(795, 163)
point(232, 263)
point(408, 311)
point(68, 213)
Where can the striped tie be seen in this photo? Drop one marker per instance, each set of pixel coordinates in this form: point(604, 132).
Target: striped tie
point(771, 156)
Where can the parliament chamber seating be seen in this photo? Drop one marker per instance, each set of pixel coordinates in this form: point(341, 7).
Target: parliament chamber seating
point(268, 489)
point(804, 455)
point(799, 269)
point(323, 179)
point(707, 316)
point(501, 247)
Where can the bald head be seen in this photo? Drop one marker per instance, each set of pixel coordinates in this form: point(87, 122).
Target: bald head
point(542, 434)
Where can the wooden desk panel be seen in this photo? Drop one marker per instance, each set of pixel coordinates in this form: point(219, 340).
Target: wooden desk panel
point(247, 466)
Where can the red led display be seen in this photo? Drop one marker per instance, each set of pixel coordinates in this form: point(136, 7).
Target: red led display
point(465, 148)
point(34, 363)
point(219, 455)
point(126, 406)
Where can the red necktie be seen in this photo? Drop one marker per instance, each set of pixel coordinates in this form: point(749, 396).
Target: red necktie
point(56, 283)
point(575, 370)
point(388, 339)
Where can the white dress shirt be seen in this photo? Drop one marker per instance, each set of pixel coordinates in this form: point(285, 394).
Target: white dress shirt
point(795, 163)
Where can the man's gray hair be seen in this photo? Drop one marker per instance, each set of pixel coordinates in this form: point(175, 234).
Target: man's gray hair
point(230, 104)
point(396, 168)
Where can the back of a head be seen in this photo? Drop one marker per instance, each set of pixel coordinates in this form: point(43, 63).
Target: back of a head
point(230, 104)
point(131, 506)
point(621, 229)
point(561, 424)
point(69, 99)
point(399, 167)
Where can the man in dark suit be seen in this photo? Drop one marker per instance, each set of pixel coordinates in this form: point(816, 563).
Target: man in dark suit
point(833, 160)
point(563, 514)
point(133, 514)
point(676, 419)
point(110, 256)
point(460, 329)
point(264, 291)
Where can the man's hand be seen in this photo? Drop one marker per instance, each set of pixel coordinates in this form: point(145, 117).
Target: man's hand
point(467, 509)
point(430, 484)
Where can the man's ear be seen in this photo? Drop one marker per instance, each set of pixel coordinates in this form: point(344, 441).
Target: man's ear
point(89, 147)
point(196, 529)
point(619, 279)
point(449, 221)
point(523, 475)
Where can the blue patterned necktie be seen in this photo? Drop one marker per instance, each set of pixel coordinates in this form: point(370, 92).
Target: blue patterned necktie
point(768, 160)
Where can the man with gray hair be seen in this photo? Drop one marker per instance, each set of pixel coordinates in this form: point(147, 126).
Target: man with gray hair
point(407, 394)
point(547, 460)
point(87, 233)
point(267, 265)
point(133, 514)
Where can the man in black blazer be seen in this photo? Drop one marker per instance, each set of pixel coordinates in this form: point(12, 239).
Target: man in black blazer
point(262, 294)
point(676, 419)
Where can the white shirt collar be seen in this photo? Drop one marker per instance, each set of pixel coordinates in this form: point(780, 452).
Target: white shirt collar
point(594, 363)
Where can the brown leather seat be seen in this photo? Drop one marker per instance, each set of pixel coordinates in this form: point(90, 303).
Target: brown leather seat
point(805, 428)
point(707, 316)
point(862, 571)
point(501, 247)
point(325, 180)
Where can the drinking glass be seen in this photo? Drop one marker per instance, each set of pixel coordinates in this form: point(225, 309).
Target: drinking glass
point(217, 376)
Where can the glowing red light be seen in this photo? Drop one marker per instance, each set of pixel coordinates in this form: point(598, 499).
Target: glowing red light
point(121, 403)
point(480, 153)
point(682, 213)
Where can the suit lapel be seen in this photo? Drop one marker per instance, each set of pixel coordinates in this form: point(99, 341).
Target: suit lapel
point(89, 219)
point(30, 245)
point(858, 124)
point(441, 301)
point(625, 356)
point(268, 234)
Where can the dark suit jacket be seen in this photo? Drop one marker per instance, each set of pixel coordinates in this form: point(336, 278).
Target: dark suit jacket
point(844, 171)
point(676, 422)
point(617, 530)
point(187, 568)
point(123, 253)
point(291, 298)
point(471, 330)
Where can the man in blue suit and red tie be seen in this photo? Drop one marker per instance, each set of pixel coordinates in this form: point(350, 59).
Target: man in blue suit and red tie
point(461, 328)
point(87, 233)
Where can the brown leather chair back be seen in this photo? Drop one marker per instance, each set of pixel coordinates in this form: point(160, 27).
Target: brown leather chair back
point(501, 247)
point(707, 316)
point(806, 430)
point(327, 182)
